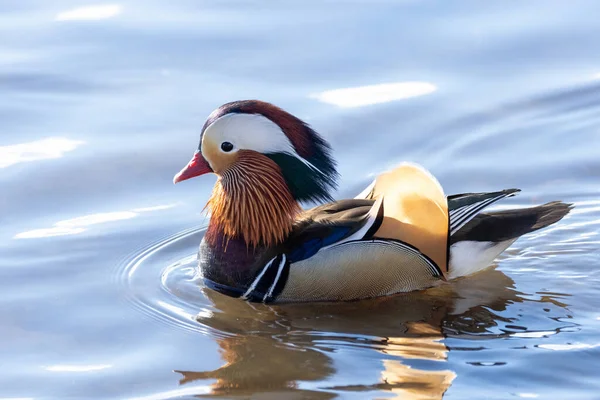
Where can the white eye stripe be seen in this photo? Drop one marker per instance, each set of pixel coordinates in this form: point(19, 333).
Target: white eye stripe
point(249, 131)
point(252, 132)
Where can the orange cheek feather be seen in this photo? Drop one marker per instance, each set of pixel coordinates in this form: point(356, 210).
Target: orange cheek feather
point(251, 199)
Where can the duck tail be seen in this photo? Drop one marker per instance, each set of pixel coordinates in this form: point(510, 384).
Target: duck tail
point(475, 246)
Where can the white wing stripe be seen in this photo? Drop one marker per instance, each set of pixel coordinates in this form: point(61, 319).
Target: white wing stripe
point(456, 218)
point(462, 220)
point(281, 265)
point(258, 278)
point(472, 212)
point(360, 234)
point(367, 191)
point(456, 214)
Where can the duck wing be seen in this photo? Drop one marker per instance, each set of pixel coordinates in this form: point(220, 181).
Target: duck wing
point(464, 207)
point(333, 254)
point(504, 225)
point(333, 224)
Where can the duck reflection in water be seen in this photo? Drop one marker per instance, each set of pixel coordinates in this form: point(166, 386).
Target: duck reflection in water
point(280, 350)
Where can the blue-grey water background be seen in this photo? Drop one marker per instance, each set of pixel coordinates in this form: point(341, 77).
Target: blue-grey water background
point(102, 103)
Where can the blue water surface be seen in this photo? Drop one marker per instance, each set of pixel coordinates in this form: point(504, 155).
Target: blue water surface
point(102, 103)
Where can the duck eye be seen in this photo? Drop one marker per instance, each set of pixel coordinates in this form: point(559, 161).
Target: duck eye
point(226, 147)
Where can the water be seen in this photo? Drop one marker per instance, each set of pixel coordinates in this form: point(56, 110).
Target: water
point(101, 107)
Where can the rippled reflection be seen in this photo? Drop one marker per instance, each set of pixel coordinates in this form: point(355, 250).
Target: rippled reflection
point(374, 94)
point(280, 348)
point(42, 149)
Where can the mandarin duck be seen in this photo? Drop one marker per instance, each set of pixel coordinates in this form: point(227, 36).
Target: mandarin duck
point(401, 234)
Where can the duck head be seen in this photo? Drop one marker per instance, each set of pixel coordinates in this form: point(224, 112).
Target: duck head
point(266, 161)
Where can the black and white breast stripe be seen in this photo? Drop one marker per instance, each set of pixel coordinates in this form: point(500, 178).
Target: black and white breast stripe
point(270, 280)
point(463, 214)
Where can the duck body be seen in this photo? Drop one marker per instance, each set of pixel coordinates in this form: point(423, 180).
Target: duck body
point(331, 255)
point(399, 235)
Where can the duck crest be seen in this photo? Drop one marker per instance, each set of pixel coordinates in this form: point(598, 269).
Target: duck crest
point(311, 176)
point(251, 200)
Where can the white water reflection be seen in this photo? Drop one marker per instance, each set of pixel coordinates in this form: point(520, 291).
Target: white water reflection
point(77, 225)
point(154, 208)
point(16, 398)
point(374, 94)
point(77, 368)
point(48, 232)
point(538, 334)
point(90, 13)
point(177, 393)
point(568, 347)
point(49, 148)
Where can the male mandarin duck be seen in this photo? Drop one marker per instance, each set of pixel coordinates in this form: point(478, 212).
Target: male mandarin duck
point(401, 234)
